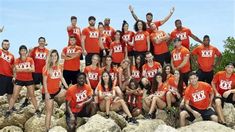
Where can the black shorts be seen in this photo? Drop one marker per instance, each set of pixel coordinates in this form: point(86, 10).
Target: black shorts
point(24, 83)
point(6, 85)
point(102, 55)
point(37, 78)
point(131, 53)
point(83, 113)
point(205, 76)
point(226, 100)
point(206, 114)
point(185, 77)
point(88, 58)
point(163, 58)
point(52, 96)
point(70, 76)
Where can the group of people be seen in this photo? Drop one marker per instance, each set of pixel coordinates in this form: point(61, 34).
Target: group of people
point(126, 71)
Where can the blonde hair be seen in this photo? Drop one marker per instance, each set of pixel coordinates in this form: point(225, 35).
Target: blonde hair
point(49, 62)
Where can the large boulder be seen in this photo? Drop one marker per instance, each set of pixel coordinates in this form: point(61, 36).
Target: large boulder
point(144, 125)
point(11, 129)
point(206, 126)
point(3, 100)
point(165, 128)
point(57, 129)
point(229, 114)
point(97, 123)
point(62, 122)
point(171, 119)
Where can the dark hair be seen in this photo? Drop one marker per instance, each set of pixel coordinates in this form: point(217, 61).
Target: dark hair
point(148, 52)
point(73, 18)
point(109, 56)
point(123, 24)
point(22, 47)
point(155, 83)
point(206, 36)
point(81, 74)
point(91, 18)
point(177, 39)
point(133, 81)
point(5, 40)
point(110, 83)
point(72, 36)
point(100, 23)
point(41, 38)
point(164, 75)
point(181, 84)
point(147, 87)
point(231, 63)
point(192, 73)
point(178, 20)
point(136, 26)
point(120, 32)
point(142, 61)
point(149, 13)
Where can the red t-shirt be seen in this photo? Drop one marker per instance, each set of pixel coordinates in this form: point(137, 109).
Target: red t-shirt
point(118, 52)
point(109, 31)
point(7, 63)
point(76, 95)
point(106, 40)
point(24, 65)
point(75, 31)
point(93, 75)
point(39, 57)
point(150, 72)
point(140, 41)
point(157, 23)
point(127, 37)
point(172, 85)
point(159, 48)
point(135, 73)
point(183, 35)
point(92, 40)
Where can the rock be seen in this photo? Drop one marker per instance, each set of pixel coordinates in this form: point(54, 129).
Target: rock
point(59, 101)
point(165, 128)
point(3, 100)
point(171, 119)
point(229, 114)
point(205, 126)
point(35, 124)
point(11, 129)
point(58, 113)
point(144, 126)
point(97, 123)
point(62, 122)
point(57, 129)
point(63, 107)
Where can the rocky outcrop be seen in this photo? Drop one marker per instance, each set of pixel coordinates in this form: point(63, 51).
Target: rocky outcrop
point(11, 129)
point(57, 129)
point(229, 114)
point(165, 128)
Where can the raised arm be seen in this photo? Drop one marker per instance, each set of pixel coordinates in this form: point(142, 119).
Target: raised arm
point(133, 13)
point(168, 16)
point(196, 38)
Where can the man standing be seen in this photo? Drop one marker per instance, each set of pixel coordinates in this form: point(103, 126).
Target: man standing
point(74, 30)
point(108, 30)
point(206, 55)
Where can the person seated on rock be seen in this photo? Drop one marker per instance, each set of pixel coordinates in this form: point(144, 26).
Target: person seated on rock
point(23, 67)
point(157, 96)
point(79, 102)
point(198, 99)
point(134, 96)
point(124, 74)
point(52, 74)
point(145, 85)
point(223, 85)
point(108, 99)
point(167, 72)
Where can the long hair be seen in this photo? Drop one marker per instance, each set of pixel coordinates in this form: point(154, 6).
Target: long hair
point(155, 82)
point(110, 83)
point(49, 62)
point(143, 23)
point(146, 87)
point(164, 75)
point(180, 84)
point(133, 81)
point(141, 62)
point(123, 24)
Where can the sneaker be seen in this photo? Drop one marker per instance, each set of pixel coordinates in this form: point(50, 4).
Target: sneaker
point(133, 120)
point(14, 109)
point(148, 116)
point(8, 113)
point(38, 113)
point(26, 103)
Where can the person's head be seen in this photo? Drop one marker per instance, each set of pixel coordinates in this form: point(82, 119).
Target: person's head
point(52, 59)
point(5, 44)
point(42, 41)
point(106, 79)
point(125, 26)
point(23, 50)
point(153, 26)
point(167, 69)
point(206, 40)
point(95, 59)
point(100, 27)
point(117, 35)
point(229, 68)
point(106, 21)
point(145, 84)
point(125, 63)
point(193, 78)
point(91, 21)
point(81, 78)
point(149, 17)
point(178, 76)
point(148, 57)
point(177, 42)
point(133, 84)
point(73, 20)
point(178, 24)
point(72, 40)
point(156, 81)
point(140, 26)
point(108, 60)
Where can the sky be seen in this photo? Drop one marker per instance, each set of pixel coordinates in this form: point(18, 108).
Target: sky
point(26, 20)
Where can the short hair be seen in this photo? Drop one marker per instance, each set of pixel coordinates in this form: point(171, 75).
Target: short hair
point(41, 38)
point(80, 74)
point(192, 73)
point(231, 64)
point(91, 18)
point(206, 36)
point(22, 47)
point(136, 25)
point(73, 18)
point(149, 13)
point(177, 20)
point(148, 52)
point(5, 40)
point(72, 36)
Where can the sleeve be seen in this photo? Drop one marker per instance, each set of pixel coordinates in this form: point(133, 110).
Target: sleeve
point(172, 35)
point(189, 32)
point(146, 34)
point(195, 51)
point(157, 23)
point(187, 94)
point(99, 87)
point(216, 78)
point(186, 52)
point(68, 96)
point(217, 52)
point(12, 60)
point(32, 53)
point(90, 91)
point(31, 62)
point(64, 50)
point(84, 32)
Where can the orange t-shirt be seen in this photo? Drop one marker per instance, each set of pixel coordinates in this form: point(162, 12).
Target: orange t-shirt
point(140, 41)
point(76, 95)
point(127, 37)
point(53, 79)
point(106, 40)
point(177, 55)
point(157, 23)
point(7, 63)
point(162, 88)
point(118, 53)
point(72, 64)
point(150, 72)
point(75, 31)
point(109, 31)
point(172, 86)
point(199, 97)
point(24, 65)
point(183, 35)
point(39, 57)
point(159, 48)
point(206, 56)
point(223, 83)
point(92, 40)
point(135, 73)
point(93, 75)
point(112, 72)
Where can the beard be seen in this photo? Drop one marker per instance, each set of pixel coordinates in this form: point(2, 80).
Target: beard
point(5, 48)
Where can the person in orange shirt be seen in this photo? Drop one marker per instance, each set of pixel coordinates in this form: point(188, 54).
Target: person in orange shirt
point(180, 59)
point(74, 30)
point(136, 68)
point(71, 55)
point(117, 49)
point(150, 68)
point(52, 79)
point(124, 74)
point(113, 71)
point(183, 33)
point(223, 85)
point(157, 96)
point(6, 70)
point(198, 101)
point(79, 102)
point(167, 72)
point(141, 40)
point(108, 30)
point(159, 40)
point(23, 67)
point(206, 55)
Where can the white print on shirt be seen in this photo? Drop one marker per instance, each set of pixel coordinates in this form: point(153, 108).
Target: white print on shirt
point(159, 36)
point(139, 37)
point(135, 74)
point(225, 85)
point(198, 96)
point(117, 48)
point(71, 51)
point(6, 57)
point(182, 36)
point(207, 53)
point(76, 31)
point(92, 76)
point(112, 75)
point(93, 34)
point(23, 66)
point(151, 73)
point(126, 37)
point(81, 96)
point(40, 55)
point(107, 32)
point(176, 56)
point(103, 39)
point(56, 74)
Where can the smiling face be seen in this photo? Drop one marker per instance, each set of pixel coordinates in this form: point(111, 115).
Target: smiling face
point(81, 80)
point(54, 57)
point(5, 45)
point(105, 77)
point(193, 79)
